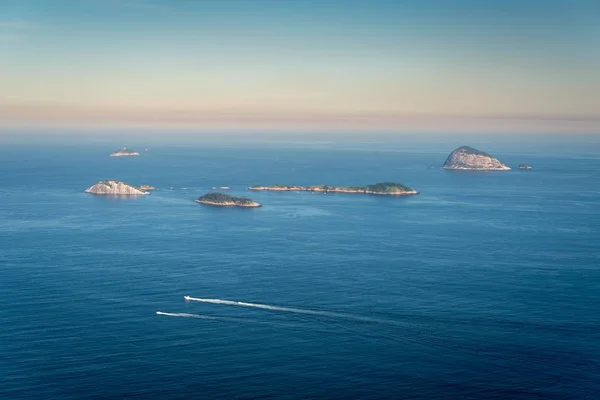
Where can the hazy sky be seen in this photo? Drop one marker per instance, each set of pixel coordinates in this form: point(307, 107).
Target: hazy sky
point(514, 65)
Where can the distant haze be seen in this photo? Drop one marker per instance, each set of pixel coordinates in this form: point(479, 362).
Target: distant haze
point(390, 66)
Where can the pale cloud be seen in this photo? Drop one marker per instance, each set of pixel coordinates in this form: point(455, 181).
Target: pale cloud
point(10, 37)
point(15, 30)
point(12, 31)
point(146, 5)
point(141, 5)
point(15, 25)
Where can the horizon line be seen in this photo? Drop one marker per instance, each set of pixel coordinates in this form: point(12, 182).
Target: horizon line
point(48, 116)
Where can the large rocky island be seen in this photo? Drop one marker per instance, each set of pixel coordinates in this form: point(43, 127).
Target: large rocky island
point(116, 188)
point(124, 152)
point(225, 200)
point(385, 188)
point(470, 159)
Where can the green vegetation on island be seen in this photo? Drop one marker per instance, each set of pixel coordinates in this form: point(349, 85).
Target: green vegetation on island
point(221, 199)
point(389, 188)
point(470, 150)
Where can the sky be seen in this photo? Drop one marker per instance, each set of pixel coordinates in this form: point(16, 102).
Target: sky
point(390, 65)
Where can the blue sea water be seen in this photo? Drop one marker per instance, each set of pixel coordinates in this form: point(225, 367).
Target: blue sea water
point(485, 285)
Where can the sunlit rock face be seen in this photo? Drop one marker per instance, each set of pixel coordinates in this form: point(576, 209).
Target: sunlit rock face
point(468, 158)
point(124, 152)
point(115, 188)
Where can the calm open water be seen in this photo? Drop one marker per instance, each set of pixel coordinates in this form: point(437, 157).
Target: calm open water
point(484, 285)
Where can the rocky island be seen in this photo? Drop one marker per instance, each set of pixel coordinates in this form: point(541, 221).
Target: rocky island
point(124, 152)
point(115, 188)
point(225, 200)
point(470, 159)
point(384, 188)
point(525, 166)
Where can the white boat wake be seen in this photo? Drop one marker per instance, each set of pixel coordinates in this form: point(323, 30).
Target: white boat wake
point(410, 332)
point(288, 309)
point(186, 315)
point(211, 318)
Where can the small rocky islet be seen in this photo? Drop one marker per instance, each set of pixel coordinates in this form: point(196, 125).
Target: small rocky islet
point(124, 152)
point(225, 200)
point(384, 188)
point(115, 188)
point(470, 159)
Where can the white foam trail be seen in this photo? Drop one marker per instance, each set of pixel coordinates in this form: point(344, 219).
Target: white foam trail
point(222, 319)
point(186, 315)
point(287, 309)
point(421, 338)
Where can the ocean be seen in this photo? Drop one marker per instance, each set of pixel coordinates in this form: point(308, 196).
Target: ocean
point(485, 285)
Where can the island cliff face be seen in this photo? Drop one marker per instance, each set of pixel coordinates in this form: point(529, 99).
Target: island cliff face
point(115, 188)
point(385, 188)
point(225, 200)
point(124, 152)
point(468, 158)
